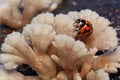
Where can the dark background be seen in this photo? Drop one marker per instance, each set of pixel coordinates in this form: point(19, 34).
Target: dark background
point(106, 8)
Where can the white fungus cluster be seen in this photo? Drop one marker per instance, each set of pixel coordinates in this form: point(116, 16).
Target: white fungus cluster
point(49, 47)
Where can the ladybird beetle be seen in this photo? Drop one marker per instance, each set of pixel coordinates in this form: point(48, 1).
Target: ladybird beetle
point(83, 27)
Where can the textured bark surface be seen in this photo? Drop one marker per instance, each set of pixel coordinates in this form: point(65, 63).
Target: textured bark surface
point(106, 8)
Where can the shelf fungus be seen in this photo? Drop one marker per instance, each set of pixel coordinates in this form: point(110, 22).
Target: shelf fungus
point(50, 46)
point(17, 13)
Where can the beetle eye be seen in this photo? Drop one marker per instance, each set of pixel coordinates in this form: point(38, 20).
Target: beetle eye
point(82, 22)
point(77, 21)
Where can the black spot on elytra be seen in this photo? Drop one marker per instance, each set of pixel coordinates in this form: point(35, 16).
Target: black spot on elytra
point(86, 31)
